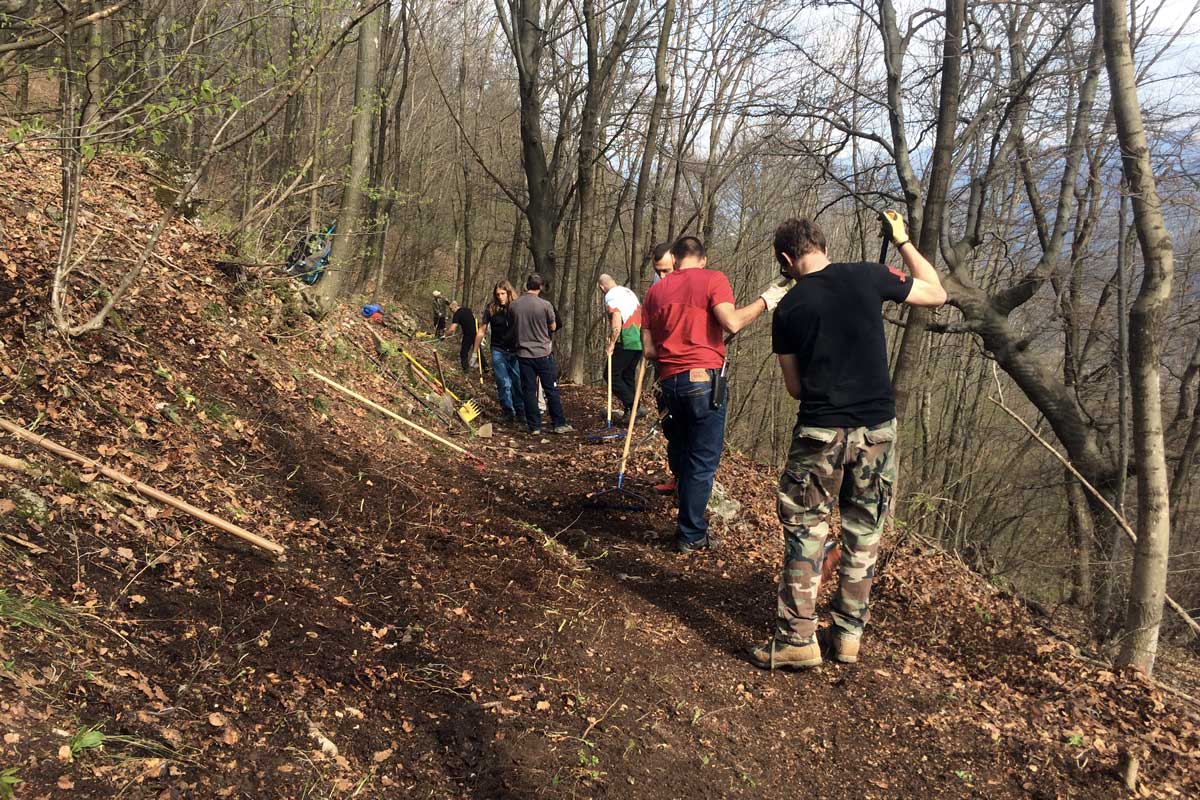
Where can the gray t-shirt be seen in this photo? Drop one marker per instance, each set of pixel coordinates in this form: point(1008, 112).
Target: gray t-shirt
point(532, 317)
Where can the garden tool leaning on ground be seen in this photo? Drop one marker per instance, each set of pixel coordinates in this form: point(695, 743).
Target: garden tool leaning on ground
point(620, 498)
point(467, 412)
point(475, 460)
point(607, 434)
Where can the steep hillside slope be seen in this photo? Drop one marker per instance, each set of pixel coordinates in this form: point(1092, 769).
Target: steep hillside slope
point(439, 628)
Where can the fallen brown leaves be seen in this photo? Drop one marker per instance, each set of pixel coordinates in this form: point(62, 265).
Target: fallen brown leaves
point(442, 631)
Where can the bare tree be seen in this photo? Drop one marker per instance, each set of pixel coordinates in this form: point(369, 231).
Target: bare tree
point(1139, 644)
point(347, 244)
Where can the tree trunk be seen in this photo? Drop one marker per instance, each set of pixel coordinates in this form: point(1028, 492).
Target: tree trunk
point(344, 258)
point(639, 252)
point(523, 25)
point(515, 267)
point(1082, 534)
point(1146, 320)
point(465, 163)
point(1113, 543)
point(941, 165)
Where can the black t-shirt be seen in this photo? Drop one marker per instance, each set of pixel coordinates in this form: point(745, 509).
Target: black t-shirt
point(464, 319)
point(504, 332)
point(832, 323)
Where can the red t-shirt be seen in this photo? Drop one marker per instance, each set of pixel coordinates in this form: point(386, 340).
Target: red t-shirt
point(679, 315)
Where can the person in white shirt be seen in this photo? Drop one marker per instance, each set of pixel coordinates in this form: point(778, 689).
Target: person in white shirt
point(624, 338)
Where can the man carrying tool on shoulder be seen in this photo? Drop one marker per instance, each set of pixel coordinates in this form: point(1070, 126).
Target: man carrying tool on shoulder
point(686, 315)
point(828, 334)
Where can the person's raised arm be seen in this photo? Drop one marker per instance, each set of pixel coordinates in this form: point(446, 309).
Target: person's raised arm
point(733, 319)
point(927, 289)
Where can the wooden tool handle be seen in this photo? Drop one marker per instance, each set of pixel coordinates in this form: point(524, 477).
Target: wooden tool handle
point(388, 412)
point(141, 488)
point(637, 397)
point(609, 390)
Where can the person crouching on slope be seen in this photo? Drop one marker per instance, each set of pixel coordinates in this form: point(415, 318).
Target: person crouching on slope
point(828, 335)
point(686, 314)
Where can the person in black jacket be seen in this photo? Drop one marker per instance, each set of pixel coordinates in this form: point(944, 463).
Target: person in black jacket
point(505, 366)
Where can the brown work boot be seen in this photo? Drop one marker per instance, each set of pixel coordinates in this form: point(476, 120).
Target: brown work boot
point(844, 647)
point(776, 654)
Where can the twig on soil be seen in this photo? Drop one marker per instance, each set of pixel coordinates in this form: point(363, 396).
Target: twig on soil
point(555, 535)
point(142, 488)
point(30, 546)
point(593, 723)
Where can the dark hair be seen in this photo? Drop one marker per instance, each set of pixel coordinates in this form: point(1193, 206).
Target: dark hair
point(534, 282)
point(687, 246)
point(798, 237)
point(659, 251)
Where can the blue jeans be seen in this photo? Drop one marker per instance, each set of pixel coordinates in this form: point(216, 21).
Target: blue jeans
point(545, 370)
point(507, 370)
point(695, 433)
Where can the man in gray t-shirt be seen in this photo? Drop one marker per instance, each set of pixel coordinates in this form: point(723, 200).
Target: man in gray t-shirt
point(533, 322)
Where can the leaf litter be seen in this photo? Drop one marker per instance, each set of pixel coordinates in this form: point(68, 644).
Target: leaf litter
point(440, 630)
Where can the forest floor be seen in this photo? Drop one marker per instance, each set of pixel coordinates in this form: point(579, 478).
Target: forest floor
point(439, 628)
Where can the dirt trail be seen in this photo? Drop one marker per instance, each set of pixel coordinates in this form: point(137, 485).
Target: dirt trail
point(438, 630)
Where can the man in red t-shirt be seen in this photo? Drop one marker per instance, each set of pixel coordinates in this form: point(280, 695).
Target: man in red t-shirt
point(685, 318)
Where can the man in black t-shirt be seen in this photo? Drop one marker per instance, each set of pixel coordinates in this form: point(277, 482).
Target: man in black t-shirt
point(463, 318)
point(828, 335)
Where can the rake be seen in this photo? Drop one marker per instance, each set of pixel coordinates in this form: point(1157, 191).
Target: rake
point(607, 434)
point(620, 498)
point(467, 411)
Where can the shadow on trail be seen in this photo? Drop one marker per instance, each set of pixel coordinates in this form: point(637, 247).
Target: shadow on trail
point(725, 606)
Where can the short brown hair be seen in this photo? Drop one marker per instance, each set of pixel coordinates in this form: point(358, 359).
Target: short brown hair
point(660, 251)
point(798, 237)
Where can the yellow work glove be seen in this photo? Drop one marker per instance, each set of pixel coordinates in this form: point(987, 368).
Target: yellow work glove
point(892, 226)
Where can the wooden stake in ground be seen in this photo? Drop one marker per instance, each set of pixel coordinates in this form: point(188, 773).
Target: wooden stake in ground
point(141, 488)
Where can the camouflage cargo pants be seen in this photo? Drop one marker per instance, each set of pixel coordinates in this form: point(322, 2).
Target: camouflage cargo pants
point(856, 467)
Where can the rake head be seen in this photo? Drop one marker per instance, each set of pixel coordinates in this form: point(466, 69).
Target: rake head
point(469, 411)
point(606, 435)
point(618, 499)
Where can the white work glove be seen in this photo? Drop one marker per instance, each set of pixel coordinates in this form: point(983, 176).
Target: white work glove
point(773, 295)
